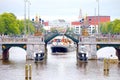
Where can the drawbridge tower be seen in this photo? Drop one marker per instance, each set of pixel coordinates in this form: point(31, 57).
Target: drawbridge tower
point(38, 23)
point(84, 25)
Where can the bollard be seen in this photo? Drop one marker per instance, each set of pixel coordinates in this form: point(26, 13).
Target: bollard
point(30, 72)
point(26, 72)
point(106, 66)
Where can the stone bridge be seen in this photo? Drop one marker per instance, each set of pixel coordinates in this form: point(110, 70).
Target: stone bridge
point(30, 44)
point(34, 44)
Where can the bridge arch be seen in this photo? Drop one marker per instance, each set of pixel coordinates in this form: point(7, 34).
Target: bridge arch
point(50, 36)
point(107, 45)
point(116, 46)
point(106, 52)
point(6, 47)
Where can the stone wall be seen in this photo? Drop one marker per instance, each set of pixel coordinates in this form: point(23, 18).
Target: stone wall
point(89, 48)
point(32, 49)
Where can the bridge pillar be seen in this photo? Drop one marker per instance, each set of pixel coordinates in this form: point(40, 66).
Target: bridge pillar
point(45, 51)
point(32, 48)
point(93, 52)
point(37, 46)
point(30, 52)
point(87, 46)
point(77, 49)
point(89, 49)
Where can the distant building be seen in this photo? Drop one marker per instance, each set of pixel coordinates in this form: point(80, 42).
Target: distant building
point(59, 23)
point(92, 23)
point(56, 24)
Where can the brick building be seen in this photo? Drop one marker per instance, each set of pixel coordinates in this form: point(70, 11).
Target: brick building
point(91, 22)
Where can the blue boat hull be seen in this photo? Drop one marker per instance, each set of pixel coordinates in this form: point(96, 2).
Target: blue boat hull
point(59, 49)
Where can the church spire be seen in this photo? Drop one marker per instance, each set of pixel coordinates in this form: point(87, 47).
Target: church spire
point(80, 14)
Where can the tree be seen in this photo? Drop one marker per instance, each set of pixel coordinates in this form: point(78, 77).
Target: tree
point(117, 29)
point(2, 26)
point(116, 26)
point(9, 23)
point(111, 27)
point(21, 26)
point(103, 28)
point(30, 28)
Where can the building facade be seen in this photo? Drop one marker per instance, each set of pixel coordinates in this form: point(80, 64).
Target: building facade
point(92, 23)
point(60, 23)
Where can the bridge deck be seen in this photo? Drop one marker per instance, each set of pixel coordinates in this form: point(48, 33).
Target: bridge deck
point(94, 43)
point(35, 43)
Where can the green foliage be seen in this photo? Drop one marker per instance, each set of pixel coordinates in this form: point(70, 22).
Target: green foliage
point(21, 26)
point(2, 24)
point(30, 27)
point(8, 24)
point(11, 26)
point(111, 27)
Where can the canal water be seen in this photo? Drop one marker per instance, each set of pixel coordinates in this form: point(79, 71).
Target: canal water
point(57, 67)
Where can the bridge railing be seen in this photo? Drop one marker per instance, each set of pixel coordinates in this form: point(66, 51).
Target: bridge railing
point(12, 39)
point(35, 39)
point(106, 39)
point(21, 39)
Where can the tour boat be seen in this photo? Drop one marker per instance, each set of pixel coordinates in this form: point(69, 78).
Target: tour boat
point(62, 49)
point(60, 45)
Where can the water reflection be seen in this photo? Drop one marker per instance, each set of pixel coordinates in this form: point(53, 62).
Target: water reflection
point(6, 62)
point(82, 65)
point(119, 64)
point(57, 67)
point(40, 65)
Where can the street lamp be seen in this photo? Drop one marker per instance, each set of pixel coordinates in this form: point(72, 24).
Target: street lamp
point(98, 16)
point(25, 22)
point(29, 16)
point(25, 17)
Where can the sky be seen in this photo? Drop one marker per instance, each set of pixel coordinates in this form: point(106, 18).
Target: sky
point(62, 9)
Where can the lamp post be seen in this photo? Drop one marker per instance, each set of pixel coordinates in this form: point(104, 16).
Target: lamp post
point(29, 16)
point(26, 25)
point(25, 17)
point(98, 17)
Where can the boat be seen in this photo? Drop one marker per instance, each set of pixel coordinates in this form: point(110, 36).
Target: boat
point(61, 45)
point(82, 57)
point(62, 49)
point(39, 56)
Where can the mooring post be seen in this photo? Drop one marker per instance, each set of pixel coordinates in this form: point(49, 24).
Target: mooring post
point(30, 72)
point(26, 71)
point(106, 66)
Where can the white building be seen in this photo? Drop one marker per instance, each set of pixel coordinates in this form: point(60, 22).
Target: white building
point(91, 22)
